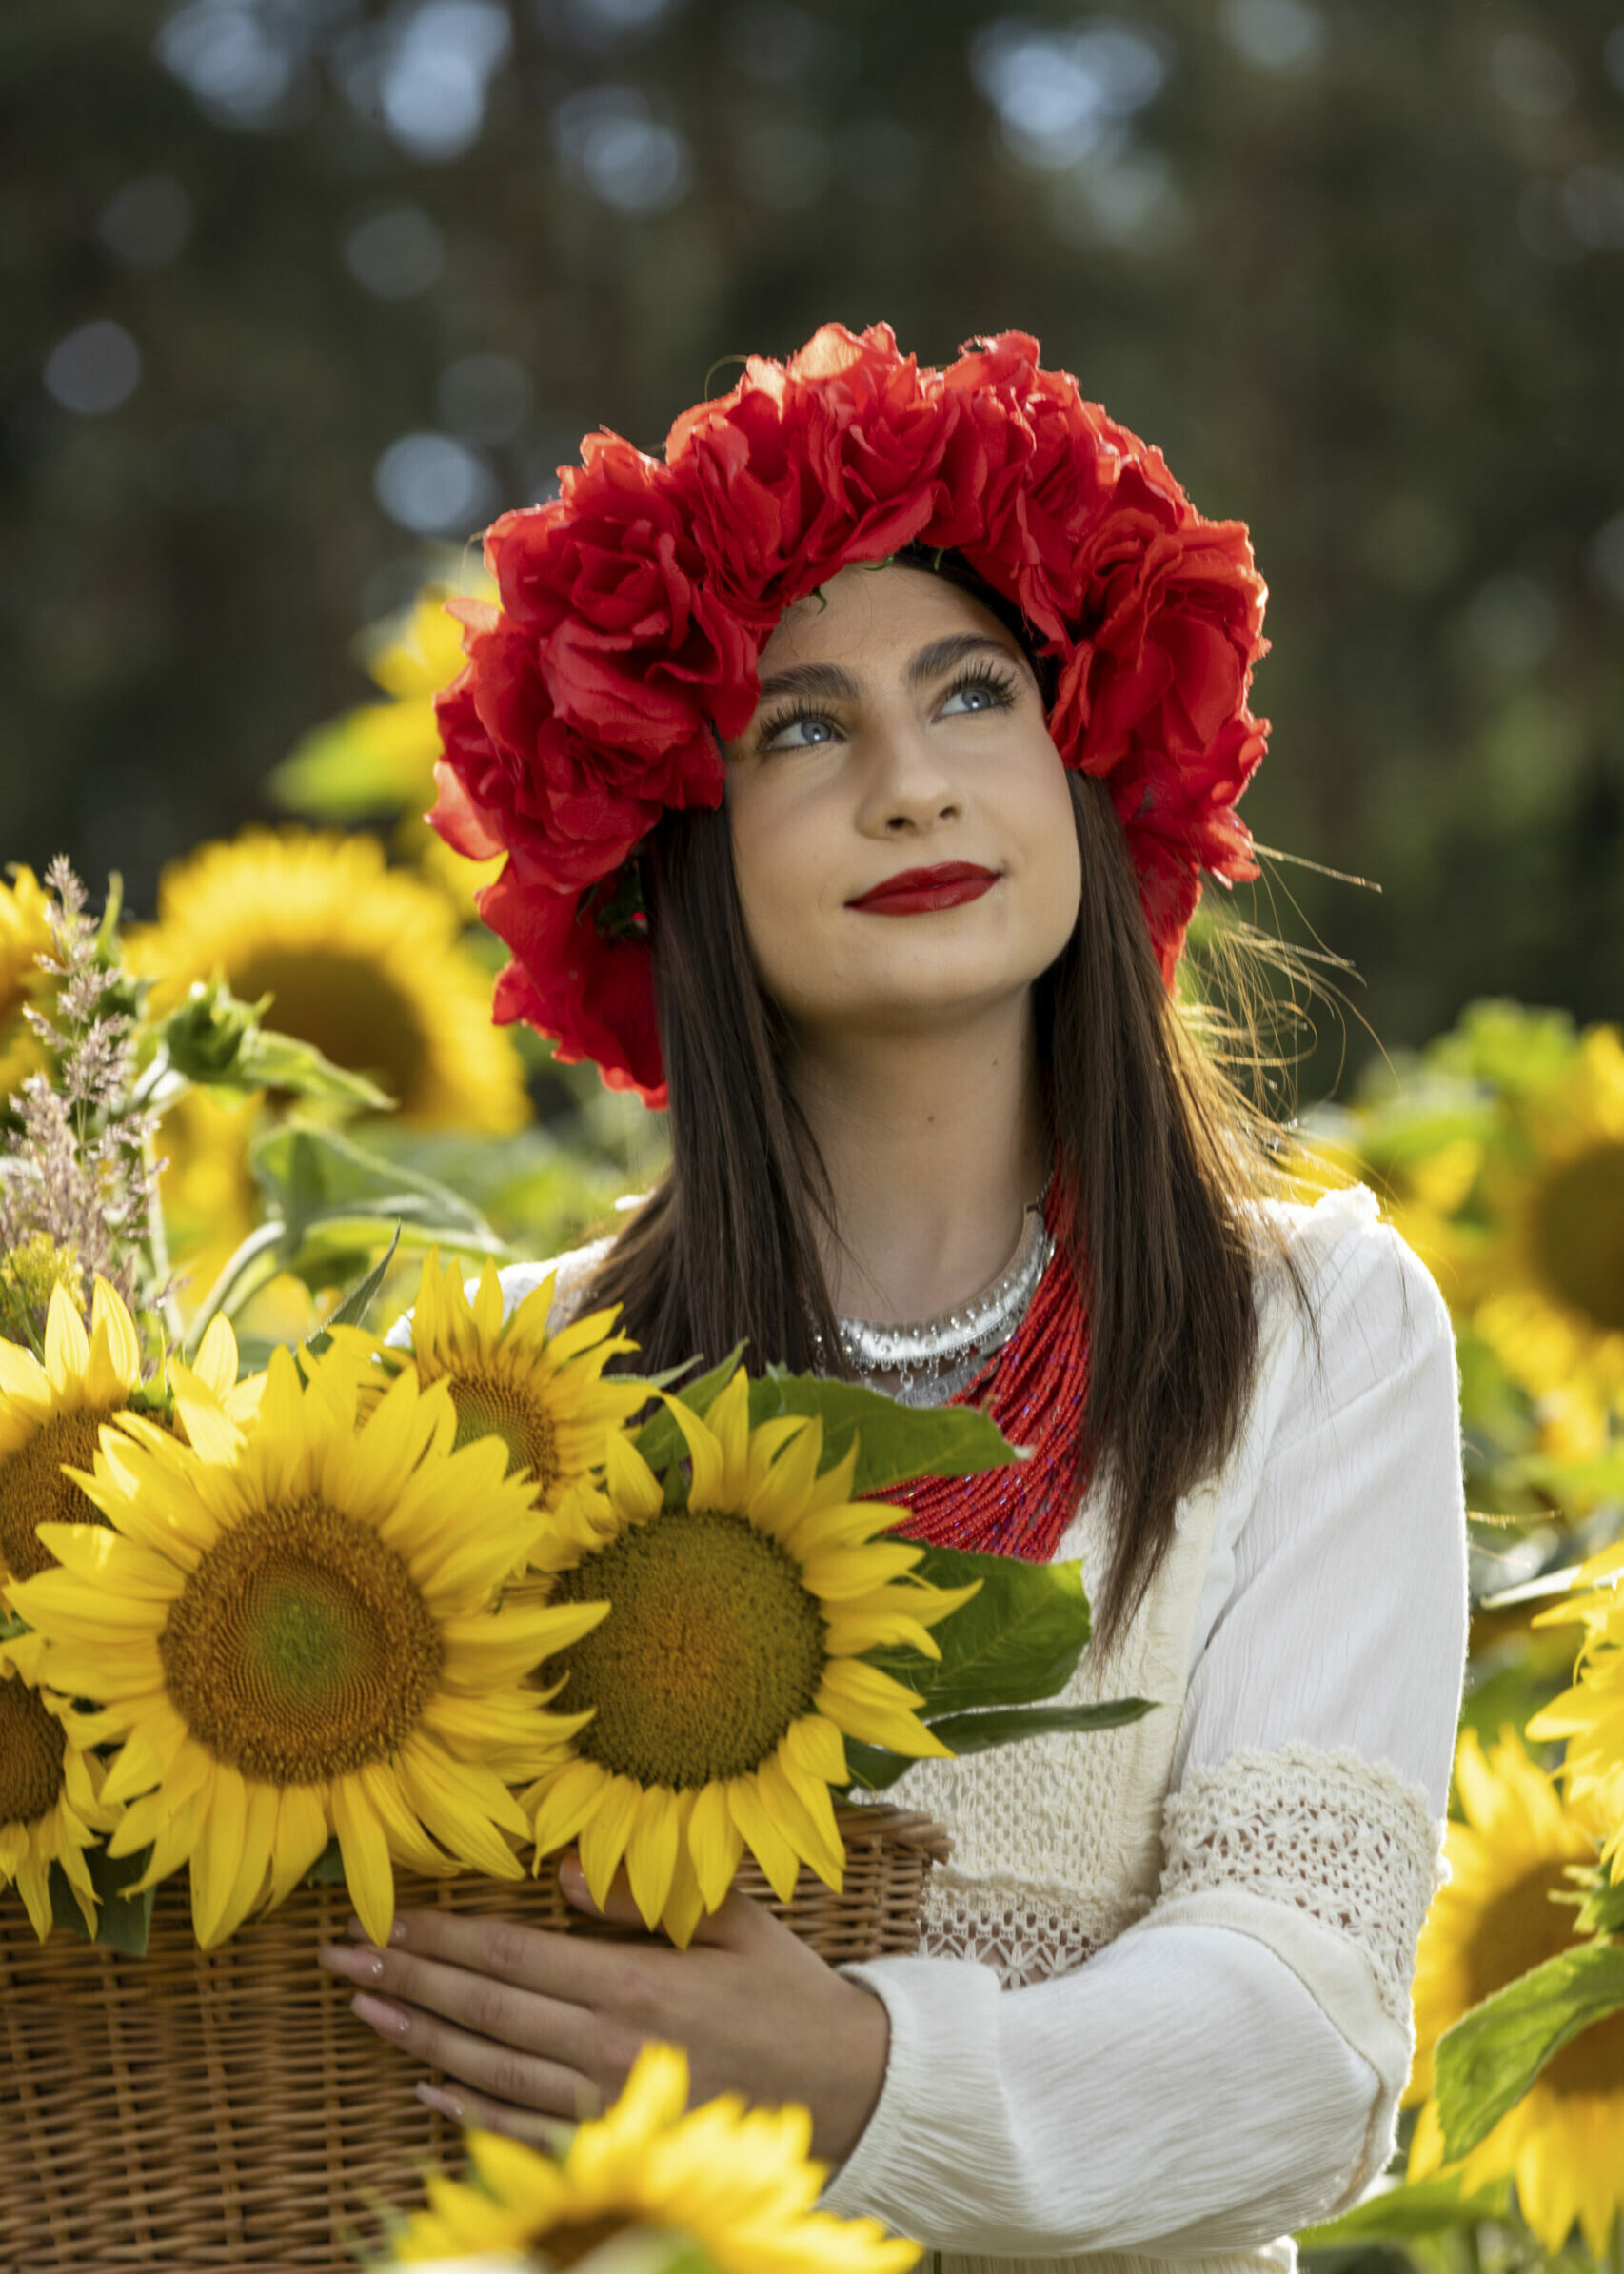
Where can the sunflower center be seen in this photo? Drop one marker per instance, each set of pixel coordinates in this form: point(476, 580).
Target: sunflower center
point(573, 2239)
point(492, 1405)
point(300, 1647)
point(354, 1011)
point(34, 1492)
point(32, 1747)
point(1520, 1928)
point(712, 1649)
point(1578, 1232)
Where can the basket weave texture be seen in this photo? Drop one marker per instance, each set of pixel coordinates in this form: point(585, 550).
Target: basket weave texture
point(192, 2108)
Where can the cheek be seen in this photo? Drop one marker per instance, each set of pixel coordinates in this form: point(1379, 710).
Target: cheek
point(1054, 857)
point(775, 868)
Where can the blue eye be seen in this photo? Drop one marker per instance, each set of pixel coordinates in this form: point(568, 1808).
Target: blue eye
point(816, 729)
point(986, 688)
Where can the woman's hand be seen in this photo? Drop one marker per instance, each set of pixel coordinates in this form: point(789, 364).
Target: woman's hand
point(538, 2026)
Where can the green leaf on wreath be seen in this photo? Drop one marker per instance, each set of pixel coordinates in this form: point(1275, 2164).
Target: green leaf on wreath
point(1488, 2059)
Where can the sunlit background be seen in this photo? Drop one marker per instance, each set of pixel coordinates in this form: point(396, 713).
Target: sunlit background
point(300, 292)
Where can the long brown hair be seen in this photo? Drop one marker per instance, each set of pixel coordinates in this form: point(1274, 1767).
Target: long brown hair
point(1161, 1158)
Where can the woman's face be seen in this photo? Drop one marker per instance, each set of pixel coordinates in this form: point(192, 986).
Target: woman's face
point(900, 735)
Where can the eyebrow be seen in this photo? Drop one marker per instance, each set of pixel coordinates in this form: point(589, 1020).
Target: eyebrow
point(929, 663)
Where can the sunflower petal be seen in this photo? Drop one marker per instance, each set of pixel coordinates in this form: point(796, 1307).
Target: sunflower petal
point(767, 1842)
point(603, 1839)
point(651, 1851)
point(366, 1853)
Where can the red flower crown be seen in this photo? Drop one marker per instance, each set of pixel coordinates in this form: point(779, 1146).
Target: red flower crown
point(635, 605)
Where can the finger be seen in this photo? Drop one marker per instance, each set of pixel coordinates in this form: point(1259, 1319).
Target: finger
point(742, 1924)
point(502, 2073)
point(619, 1906)
point(473, 2110)
point(483, 2003)
point(568, 1968)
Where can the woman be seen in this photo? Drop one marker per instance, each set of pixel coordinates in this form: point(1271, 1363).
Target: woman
point(976, 673)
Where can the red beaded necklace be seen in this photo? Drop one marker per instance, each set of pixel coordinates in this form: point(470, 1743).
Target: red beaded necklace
point(1034, 1389)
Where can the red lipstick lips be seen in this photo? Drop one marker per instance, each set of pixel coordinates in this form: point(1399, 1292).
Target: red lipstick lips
point(923, 891)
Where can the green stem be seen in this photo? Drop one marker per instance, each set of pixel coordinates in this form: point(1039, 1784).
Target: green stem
point(1615, 2247)
point(254, 1263)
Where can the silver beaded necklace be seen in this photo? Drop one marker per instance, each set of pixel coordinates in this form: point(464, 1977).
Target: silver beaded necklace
point(934, 1358)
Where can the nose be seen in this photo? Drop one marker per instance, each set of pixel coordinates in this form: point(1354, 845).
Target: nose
point(906, 789)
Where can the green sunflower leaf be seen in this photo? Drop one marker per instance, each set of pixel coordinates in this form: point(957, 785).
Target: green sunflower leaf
point(1423, 2207)
point(1491, 2057)
point(660, 1441)
point(352, 1310)
point(873, 1768)
point(1017, 1641)
point(1007, 1724)
point(895, 1442)
point(124, 1920)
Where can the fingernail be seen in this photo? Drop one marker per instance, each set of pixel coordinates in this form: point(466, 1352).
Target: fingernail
point(355, 1966)
point(389, 2021)
point(444, 2104)
point(358, 1933)
point(572, 1881)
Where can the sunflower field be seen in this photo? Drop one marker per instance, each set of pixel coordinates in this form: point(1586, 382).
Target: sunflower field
point(289, 1076)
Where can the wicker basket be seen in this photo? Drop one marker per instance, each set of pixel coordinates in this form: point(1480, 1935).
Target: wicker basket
point(192, 2109)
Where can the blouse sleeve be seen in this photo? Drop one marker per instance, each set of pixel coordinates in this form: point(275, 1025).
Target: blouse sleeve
point(1229, 2067)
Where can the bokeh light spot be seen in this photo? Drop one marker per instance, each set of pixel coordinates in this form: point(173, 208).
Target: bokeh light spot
point(434, 485)
point(1511, 622)
point(395, 254)
point(1531, 77)
point(1275, 36)
point(94, 370)
point(610, 145)
point(1057, 90)
point(146, 223)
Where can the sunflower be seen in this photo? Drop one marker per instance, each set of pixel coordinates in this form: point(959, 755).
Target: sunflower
point(737, 2183)
point(729, 1668)
point(1590, 1715)
point(25, 936)
point(544, 1396)
point(382, 754)
point(52, 1806)
point(1501, 1914)
point(52, 1416)
point(291, 1626)
point(1553, 1262)
point(362, 960)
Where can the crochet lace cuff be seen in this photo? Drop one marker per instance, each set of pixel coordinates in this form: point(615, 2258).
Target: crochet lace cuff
point(1334, 1839)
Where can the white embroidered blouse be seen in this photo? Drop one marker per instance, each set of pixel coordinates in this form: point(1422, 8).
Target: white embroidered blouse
point(1161, 2008)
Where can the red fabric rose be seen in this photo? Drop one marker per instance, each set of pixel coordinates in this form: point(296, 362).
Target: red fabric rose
point(631, 639)
point(834, 457)
point(1032, 468)
point(526, 779)
point(592, 996)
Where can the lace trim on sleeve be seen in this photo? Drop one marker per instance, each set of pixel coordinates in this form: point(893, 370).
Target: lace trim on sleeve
point(1349, 1843)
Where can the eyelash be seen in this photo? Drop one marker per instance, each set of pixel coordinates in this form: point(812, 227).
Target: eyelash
point(998, 682)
